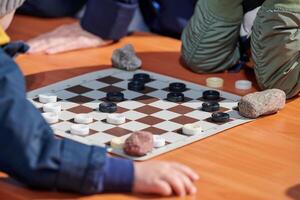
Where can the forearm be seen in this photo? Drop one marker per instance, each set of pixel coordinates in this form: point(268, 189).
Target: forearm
point(109, 19)
point(31, 153)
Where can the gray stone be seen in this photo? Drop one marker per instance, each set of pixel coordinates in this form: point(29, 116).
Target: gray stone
point(139, 143)
point(262, 103)
point(126, 59)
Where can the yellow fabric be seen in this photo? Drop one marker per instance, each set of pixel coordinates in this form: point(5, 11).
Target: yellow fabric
point(3, 37)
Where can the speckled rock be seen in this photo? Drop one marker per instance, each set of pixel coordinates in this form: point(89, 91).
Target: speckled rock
point(262, 103)
point(139, 143)
point(126, 59)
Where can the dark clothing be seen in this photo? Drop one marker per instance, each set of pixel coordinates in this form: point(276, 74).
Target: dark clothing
point(30, 153)
point(110, 19)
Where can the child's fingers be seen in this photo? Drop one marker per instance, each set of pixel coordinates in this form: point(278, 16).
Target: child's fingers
point(187, 171)
point(163, 188)
point(175, 182)
point(189, 186)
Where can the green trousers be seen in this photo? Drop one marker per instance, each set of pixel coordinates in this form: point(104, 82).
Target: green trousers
point(210, 41)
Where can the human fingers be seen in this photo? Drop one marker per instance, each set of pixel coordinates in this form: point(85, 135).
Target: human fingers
point(189, 186)
point(176, 182)
point(187, 171)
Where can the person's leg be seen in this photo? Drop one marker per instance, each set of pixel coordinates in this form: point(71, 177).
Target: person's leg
point(210, 40)
point(51, 8)
point(275, 45)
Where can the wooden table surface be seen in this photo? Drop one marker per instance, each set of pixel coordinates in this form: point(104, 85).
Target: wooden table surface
point(259, 160)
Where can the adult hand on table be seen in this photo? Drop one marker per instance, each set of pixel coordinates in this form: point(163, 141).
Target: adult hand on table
point(65, 38)
point(164, 178)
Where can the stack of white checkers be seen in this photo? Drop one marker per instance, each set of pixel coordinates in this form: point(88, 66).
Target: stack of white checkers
point(52, 110)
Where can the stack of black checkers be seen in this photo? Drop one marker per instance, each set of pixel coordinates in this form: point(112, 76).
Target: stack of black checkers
point(211, 105)
point(138, 82)
point(176, 92)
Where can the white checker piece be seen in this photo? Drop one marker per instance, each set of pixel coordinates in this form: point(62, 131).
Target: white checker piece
point(159, 83)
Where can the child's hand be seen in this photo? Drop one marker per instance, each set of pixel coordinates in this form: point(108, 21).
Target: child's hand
point(65, 38)
point(164, 178)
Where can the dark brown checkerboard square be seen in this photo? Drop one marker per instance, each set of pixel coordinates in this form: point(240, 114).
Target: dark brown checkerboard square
point(218, 123)
point(155, 131)
point(80, 99)
point(150, 120)
point(111, 89)
point(117, 131)
point(145, 99)
point(148, 109)
point(121, 110)
point(147, 90)
point(180, 109)
point(80, 109)
point(78, 89)
point(109, 80)
point(184, 120)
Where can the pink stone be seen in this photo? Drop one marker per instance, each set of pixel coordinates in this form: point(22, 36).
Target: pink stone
point(139, 143)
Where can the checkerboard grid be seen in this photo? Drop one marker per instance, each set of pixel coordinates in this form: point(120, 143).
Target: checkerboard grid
point(172, 136)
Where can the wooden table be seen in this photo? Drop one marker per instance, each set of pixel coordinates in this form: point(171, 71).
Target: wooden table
point(258, 160)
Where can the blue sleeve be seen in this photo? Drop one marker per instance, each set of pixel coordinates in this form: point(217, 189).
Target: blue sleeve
point(30, 153)
point(109, 19)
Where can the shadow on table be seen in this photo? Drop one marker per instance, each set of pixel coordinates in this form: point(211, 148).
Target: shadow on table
point(294, 192)
point(166, 63)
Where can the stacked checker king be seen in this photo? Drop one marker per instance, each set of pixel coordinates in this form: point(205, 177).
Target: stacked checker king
point(145, 110)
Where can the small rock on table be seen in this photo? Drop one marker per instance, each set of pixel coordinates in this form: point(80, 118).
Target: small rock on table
point(139, 143)
point(262, 103)
point(126, 59)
